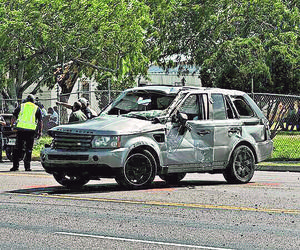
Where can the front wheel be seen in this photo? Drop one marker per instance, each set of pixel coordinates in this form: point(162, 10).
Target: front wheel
point(139, 170)
point(70, 181)
point(241, 166)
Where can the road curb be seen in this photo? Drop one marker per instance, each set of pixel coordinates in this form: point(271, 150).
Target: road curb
point(278, 168)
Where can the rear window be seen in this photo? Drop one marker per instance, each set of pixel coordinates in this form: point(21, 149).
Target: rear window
point(242, 107)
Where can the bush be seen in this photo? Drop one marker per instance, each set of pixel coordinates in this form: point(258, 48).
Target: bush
point(39, 145)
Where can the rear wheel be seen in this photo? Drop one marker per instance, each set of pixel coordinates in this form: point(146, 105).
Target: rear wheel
point(139, 170)
point(70, 181)
point(172, 178)
point(241, 166)
point(9, 153)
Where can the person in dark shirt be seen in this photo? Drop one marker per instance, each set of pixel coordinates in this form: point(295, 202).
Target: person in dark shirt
point(77, 115)
point(89, 113)
point(86, 109)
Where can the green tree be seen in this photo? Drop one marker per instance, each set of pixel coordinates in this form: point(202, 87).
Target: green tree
point(236, 42)
point(69, 38)
point(275, 44)
point(173, 30)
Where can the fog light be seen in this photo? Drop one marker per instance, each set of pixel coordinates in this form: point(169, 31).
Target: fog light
point(95, 158)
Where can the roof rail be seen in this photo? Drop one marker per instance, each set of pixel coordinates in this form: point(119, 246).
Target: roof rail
point(167, 85)
point(190, 87)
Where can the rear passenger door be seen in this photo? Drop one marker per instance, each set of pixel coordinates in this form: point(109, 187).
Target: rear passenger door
point(227, 127)
point(252, 127)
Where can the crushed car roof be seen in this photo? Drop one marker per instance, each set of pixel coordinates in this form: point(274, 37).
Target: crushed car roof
point(175, 89)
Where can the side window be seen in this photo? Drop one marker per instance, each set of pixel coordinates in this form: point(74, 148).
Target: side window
point(190, 107)
point(195, 107)
point(242, 107)
point(219, 110)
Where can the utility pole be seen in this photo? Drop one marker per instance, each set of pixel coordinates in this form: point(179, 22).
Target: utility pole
point(252, 87)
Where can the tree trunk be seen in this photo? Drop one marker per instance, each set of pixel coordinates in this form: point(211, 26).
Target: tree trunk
point(66, 79)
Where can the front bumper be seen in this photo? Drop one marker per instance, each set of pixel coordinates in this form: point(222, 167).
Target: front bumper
point(101, 162)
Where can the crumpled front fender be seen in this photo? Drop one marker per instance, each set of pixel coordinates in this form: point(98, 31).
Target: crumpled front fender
point(141, 141)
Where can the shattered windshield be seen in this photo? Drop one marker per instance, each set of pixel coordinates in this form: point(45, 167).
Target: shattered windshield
point(144, 115)
point(138, 103)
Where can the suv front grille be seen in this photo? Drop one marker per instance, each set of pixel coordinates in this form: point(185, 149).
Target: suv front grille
point(72, 141)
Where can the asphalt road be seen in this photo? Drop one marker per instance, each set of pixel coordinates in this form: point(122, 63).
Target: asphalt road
point(202, 212)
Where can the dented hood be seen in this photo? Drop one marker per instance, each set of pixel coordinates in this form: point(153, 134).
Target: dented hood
point(109, 125)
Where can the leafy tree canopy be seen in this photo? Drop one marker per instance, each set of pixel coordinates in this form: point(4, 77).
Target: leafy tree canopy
point(237, 41)
point(234, 42)
point(71, 38)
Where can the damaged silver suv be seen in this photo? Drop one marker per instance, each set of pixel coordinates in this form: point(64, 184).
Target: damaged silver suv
point(165, 131)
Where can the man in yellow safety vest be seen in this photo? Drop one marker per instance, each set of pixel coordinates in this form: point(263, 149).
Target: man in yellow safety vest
point(29, 119)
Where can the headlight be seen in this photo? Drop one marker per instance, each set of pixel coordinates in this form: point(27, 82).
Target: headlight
point(106, 142)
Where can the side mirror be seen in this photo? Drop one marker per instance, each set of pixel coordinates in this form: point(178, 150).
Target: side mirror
point(182, 118)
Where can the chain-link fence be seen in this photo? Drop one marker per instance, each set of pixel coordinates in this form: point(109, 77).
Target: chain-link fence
point(97, 101)
point(283, 113)
point(53, 107)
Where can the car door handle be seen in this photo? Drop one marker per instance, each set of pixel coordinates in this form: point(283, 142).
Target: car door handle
point(203, 132)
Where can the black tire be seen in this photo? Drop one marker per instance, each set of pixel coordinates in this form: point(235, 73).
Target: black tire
point(139, 170)
point(70, 181)
point(9, 153)
point(241, 166)
point(173, 178)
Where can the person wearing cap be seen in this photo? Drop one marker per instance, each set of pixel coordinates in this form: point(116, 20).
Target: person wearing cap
point(77, 115)
point(28, 118)
point(86, 109)
point(89, 113)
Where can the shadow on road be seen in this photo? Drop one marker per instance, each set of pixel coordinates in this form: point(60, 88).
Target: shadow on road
point(111, 187)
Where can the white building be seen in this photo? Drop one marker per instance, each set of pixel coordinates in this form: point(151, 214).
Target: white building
point(159, 76)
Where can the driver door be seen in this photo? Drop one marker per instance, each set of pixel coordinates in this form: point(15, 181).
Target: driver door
point(191, 149)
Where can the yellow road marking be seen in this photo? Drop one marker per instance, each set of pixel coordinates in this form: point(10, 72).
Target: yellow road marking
point(171, 204)
point(30, 175)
